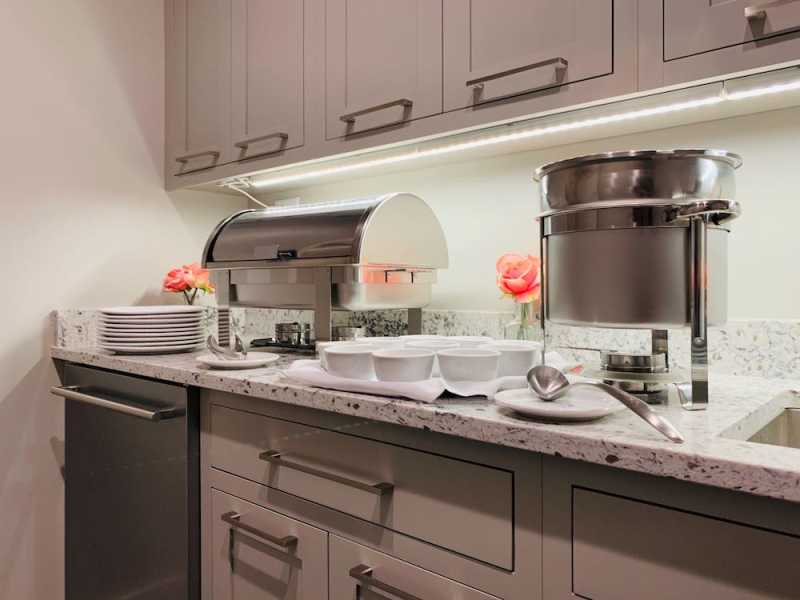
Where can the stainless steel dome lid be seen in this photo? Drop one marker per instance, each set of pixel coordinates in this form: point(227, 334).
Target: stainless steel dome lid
point(673, 175)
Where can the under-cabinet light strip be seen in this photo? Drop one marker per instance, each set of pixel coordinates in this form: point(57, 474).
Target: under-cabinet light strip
point(723, 96)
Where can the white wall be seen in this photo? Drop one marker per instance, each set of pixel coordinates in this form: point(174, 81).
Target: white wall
point(487, 207)
point(85, 222)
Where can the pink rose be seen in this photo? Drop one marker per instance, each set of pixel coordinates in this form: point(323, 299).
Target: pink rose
point(188, 277)
point(518, 277)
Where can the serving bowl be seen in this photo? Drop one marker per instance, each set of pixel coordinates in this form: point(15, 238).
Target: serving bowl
point(350, 360)
point(468, 364)
point(516, 356)
point(403, 364)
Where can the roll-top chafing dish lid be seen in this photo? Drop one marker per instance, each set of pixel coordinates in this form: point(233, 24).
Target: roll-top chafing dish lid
point(393, 230)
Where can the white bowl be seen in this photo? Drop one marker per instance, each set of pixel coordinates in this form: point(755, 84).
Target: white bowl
point(404, 364)
point(351, 361)
point(516, 356)
point(468, 364)
point(434, 345)
point(470, 341)
point(417, 337)
point(322, 347)
point(386, 343)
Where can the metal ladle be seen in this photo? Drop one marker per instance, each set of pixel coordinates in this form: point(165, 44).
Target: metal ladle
point(550, 384)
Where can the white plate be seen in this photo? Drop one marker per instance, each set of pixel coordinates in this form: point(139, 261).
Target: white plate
point(165, 333)
point(580, 404)
point(148, 349)
point(148, 327)
point(254, 360)
point(152, 342)
point(158, 339)
point(151, 310)
point(165, 320)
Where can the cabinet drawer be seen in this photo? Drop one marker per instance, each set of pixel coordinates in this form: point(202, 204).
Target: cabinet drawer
point(458, 505)
point(358, 572)
point(697, 26)
point(260, 554)
point(627, 549)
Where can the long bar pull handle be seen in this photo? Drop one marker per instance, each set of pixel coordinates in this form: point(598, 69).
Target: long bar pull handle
point(758, 12)
point(214, 154)
point(245, 144)
point(73, 393)
point(364, 575)
point(350, 118)
point(233, 519)
point(558, 63)
point(276, 458)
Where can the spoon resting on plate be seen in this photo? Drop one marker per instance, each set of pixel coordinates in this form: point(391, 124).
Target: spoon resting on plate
point(550, 384)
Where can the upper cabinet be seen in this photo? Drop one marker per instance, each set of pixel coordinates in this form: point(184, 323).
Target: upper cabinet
point(198, 84)
point(686, 40)
point(267, 78)
point(383, 64)
point(697, 26)
point(501, 50)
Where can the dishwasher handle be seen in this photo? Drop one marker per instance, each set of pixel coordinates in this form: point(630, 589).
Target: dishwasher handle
point(73, 392)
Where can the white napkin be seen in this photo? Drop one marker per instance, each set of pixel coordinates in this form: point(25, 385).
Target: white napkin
point(310, 372)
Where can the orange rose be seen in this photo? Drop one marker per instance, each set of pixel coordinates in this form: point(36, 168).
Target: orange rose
point(188, 277)
point(518, 277)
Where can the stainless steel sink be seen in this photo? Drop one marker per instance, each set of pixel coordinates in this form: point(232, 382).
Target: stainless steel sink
point(783, 430)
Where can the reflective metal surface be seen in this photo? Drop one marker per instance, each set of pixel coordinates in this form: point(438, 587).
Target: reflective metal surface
point(622, 362)
point(783, 430)
point(676, 175)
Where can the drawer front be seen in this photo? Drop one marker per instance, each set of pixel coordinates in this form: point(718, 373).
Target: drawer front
point(458, 505)
point(697, 26)
point(626, 549)
point(259, 554)
point(357, 572)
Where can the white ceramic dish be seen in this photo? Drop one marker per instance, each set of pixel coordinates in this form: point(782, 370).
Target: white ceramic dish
point(403, 364)
point(177, 319)
point(433, 345)
point(145, 336)
point(416, 337)
point(516, 356)
point(253, 361)
point(151, 310)
point(322, 348)
point(350, 360)
point(149, 328)
point(470, 341)
point(581, 404)
point(144, 349)
point(468, 364)
point(135, 344)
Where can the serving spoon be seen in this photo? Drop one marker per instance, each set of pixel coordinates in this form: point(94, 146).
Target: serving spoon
point(550, 384)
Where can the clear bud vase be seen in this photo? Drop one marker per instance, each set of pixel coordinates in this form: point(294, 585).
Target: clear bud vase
point(525, 325)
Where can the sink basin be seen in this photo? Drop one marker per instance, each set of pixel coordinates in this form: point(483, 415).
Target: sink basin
point(783, 430)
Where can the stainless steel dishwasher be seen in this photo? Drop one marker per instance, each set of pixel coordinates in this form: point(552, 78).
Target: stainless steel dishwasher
point(132, 487)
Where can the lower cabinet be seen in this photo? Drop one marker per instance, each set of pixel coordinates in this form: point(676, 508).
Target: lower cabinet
point(259, 554)
point(359, 572)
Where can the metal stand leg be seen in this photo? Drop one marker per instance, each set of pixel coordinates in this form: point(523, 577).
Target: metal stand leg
point(414, 321)
point(660, 343)
point(221, 281)
point(322, 304)
point(694, 396)
point(543, 291)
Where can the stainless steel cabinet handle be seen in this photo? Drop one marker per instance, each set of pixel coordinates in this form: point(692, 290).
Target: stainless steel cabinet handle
point(558, 63)
point(274, 457)
point(215, 154)
point(73, 393)
point(758, 12)
point(244, 144)
point(363, 574)
point(350, 118)
point(233, 519)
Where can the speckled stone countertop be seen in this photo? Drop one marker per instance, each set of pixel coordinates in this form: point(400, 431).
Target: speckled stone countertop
point(715, 452)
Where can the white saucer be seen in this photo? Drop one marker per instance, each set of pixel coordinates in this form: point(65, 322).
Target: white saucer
point(140, 349)
point(580, 404)
point(254, 360)
point(151, 310)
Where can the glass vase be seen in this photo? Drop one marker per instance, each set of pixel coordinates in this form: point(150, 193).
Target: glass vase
point(525, 325)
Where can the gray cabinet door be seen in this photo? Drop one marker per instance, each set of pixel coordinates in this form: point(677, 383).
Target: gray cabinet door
point(259, 554)
point(383, 63)
point(198, 84)
point(357, 572)
point(496, 50)
point(267, 78)
point(697, 26)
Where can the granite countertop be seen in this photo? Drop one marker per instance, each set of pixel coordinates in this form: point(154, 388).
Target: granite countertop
point(715, 452)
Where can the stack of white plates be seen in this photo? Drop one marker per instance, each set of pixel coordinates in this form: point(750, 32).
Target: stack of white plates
point(150, 329)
